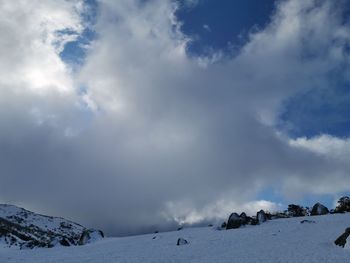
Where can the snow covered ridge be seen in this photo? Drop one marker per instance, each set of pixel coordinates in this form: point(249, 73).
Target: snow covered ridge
point(287, 240)
point(24, 229)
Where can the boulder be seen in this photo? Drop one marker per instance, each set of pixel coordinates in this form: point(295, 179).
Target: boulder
point(244, 218)
point(319, 209)
point(234, 221)
point(90, 235)
point(341, 240)
point(261, 216)
point(64, 242)
point(181, 241)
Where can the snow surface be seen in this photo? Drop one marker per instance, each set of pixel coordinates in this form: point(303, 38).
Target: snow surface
point(280, 240)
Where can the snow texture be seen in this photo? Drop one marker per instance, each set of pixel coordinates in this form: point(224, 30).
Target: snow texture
point(280, 240)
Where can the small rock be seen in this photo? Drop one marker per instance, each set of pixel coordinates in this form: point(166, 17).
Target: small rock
point(307, 221)
point(181, 241)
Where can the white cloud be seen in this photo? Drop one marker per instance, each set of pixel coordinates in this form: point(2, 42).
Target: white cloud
point(325, 145)
point(207, 27)
point(218, 211)
point(31, 42)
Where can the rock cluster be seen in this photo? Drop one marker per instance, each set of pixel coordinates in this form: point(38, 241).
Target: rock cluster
point(236, 221)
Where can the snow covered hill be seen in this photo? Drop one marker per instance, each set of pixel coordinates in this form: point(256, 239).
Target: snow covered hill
point(24, 229)
point(280, 240)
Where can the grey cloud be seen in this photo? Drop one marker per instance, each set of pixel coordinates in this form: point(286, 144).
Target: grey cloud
point(165, 129)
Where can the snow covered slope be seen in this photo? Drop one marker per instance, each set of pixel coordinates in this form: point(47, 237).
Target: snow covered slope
point(281, 240)
point(25, 229)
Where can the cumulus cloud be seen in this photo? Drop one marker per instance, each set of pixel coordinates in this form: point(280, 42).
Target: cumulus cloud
point(156, 138)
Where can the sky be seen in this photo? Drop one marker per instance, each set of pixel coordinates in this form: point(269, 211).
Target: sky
point(139, 115)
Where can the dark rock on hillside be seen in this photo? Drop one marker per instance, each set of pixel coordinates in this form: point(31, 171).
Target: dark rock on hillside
point(341, 240)
point(24, 229)
point(181, 241)
point(234, 221)
point(261, 216)
point(319, 209)
point(90, 235)
point(244, 218)
point(307, 221)
point(64, 242)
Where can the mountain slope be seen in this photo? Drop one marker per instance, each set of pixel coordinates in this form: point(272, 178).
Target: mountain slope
point(25, 229)
point(281, 240)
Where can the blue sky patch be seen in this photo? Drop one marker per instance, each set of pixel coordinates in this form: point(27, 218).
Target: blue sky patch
point(222, 26)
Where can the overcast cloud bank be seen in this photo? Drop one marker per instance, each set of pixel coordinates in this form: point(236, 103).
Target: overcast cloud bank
point(145, 136)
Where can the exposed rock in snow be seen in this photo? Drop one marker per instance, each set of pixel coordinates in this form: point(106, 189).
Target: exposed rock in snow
point(261, 216)
point(64, 242)
point(341, 240)
point(181, 241)
point(89, 236)
point(24, 229)
point(319, 209)
point(244, 218)
point(234, 221)
point(307, 221)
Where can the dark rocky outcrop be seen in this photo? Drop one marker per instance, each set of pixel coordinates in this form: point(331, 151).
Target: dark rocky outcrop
point(64, 242)
point(341, 240)
point(261, 217)
point(234, 221)
point(181, 241)
point(319, 209)
point(244, 218)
